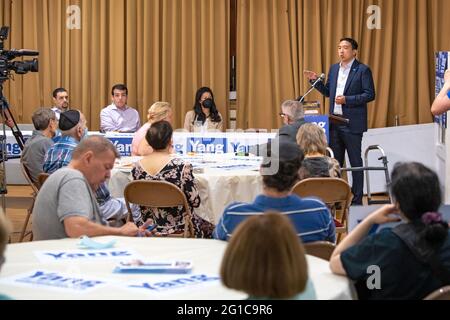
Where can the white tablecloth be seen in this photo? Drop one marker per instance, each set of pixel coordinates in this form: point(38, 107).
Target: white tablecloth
point(205, 254)
point(217, 188)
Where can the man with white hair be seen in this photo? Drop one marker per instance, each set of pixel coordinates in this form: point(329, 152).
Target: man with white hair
point(293, 117)
point(33, 154)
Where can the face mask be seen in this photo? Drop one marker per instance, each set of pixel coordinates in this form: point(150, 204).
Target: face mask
point(208, 103)
point(85, 134)
point(57, 134)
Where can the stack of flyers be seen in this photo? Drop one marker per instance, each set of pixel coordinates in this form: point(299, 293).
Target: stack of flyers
point(139, 266)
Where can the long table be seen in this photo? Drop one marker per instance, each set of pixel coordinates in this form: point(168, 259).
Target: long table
point(58, 269)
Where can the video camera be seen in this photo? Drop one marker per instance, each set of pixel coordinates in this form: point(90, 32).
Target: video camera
point(19, 67)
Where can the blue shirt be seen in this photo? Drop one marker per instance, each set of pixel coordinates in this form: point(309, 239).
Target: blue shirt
point(60, 156)
point(310, 216)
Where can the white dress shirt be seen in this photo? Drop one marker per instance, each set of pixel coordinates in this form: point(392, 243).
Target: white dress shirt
point(344, 71)
point(115, 119)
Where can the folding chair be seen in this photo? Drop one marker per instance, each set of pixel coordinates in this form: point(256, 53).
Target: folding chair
point(41, 178)
point(334, 192)
point(35, 188)
point(159, 194)
point(442, 293)
point(320, 249)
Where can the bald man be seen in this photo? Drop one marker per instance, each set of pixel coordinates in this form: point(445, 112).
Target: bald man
point(66, 205)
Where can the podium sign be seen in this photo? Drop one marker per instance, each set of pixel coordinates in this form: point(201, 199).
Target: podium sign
point(322, 121)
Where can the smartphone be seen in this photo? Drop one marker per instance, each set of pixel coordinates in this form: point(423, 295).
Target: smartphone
point(151, 227)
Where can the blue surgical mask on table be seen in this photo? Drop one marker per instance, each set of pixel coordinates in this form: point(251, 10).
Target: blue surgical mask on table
point(88, 243)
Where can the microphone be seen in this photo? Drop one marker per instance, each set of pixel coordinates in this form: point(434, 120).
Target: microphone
point(313, 86)
point(319, 79)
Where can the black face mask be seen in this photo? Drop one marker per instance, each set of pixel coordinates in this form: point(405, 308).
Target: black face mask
point(208, 103)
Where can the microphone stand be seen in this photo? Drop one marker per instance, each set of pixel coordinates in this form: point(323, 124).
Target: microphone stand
point(300, 99)
point(313, 86)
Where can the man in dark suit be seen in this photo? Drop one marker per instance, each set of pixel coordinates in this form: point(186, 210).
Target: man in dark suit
point(350, 87)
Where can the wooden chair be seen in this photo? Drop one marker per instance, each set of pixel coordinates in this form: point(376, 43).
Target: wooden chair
point(159, 194)
point(320, 249)
point(35, 189)
point(41, 178)
point(334, 192)
point(439, 294)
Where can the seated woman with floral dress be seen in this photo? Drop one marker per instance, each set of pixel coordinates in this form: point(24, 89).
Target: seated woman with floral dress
point(161, 165)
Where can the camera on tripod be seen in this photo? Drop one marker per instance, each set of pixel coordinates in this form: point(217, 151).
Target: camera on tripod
point(19, 67)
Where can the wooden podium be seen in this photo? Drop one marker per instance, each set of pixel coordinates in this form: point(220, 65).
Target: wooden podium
point(338, 119)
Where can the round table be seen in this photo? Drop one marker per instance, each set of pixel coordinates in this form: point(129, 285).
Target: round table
point(63, 258)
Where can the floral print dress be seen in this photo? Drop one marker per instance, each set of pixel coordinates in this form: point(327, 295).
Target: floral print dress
point(170, 220)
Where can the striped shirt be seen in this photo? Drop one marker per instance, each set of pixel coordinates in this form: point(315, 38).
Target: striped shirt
point(310, 216)
point(60, 156)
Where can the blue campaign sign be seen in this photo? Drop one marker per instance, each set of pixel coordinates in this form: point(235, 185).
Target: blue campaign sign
point(122, 144)
point(12, 147)
point(206, 145)
point(442, 64)
point(322, 121)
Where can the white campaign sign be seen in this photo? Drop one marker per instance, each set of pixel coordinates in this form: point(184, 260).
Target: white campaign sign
point(77, 255)
point(55, 280)
point(181, 283)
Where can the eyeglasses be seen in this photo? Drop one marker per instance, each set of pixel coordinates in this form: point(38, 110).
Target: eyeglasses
point(283, 115)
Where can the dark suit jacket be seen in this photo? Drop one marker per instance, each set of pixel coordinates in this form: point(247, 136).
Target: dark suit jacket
point(359, 90)
point(289, 131)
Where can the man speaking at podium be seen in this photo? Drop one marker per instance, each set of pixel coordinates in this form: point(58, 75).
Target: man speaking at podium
point(350, 87)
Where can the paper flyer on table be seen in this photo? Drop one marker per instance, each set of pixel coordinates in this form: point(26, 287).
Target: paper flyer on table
point(82, 254)
point(56, 280)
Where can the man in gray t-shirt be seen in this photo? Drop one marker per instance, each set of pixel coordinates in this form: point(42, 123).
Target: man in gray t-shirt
point(36, 147)
point(66, 193)
point(66, 206)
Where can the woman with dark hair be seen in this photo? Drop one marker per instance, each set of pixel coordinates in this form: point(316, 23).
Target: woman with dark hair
point(205, 116)
point(410, 260)
point(160, 165)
